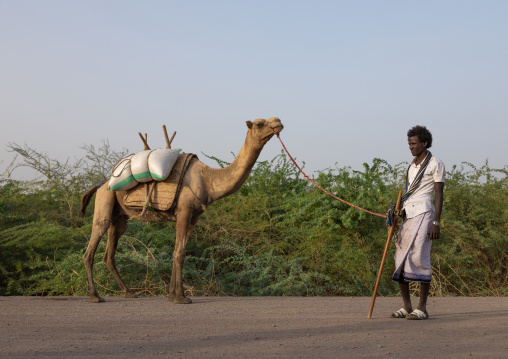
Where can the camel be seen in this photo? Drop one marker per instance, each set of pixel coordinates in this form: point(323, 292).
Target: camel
point(201, 186)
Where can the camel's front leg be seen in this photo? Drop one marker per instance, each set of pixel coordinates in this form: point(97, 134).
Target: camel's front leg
point(184, 225)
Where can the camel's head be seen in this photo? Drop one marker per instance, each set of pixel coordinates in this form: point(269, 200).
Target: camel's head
point(260, 131)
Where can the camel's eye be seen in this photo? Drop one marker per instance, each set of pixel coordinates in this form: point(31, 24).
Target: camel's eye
point(259, 125)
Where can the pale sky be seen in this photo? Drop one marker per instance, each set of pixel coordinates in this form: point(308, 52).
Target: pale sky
point(347, 78)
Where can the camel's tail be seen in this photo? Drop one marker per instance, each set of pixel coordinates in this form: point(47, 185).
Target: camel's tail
point(85, 200)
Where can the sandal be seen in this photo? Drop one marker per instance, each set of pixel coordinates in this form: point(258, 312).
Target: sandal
point(401, 313)
point(417, 314)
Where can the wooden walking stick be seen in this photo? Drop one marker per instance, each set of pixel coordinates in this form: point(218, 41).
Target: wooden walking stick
point(390, 234)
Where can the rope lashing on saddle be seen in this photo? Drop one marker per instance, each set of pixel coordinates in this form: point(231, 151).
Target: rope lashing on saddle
point(322, 189)
point(412, 187)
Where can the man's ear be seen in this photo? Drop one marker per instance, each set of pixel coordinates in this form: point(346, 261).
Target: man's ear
point(249, 124)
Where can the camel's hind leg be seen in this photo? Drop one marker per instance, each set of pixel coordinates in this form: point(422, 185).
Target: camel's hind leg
point(115, 231)
point(104, 203)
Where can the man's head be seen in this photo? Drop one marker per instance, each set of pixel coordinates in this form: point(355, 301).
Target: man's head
point(419, 139)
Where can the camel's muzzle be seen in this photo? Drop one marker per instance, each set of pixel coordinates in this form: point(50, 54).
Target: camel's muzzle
point(277, 127)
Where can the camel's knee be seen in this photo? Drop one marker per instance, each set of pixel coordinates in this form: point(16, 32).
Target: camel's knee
point(179, 256)
point(88, 258)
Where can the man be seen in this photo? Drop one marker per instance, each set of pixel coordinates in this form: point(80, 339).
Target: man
point(425, 176)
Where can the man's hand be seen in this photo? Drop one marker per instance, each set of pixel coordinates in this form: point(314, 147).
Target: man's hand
point(435, 232)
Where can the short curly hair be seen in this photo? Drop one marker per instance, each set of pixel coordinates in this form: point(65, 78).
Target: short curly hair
point(423, 134)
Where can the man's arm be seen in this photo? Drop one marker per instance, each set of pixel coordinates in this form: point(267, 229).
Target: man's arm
point(435, 231)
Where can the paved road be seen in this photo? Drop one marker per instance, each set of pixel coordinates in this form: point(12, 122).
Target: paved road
point(249, 327)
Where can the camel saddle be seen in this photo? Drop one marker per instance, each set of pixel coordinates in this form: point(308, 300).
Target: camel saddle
point(164, 194)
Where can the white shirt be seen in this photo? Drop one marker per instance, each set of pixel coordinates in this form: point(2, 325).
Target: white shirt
point(421, 200)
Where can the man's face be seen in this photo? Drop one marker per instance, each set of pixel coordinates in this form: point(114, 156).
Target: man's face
point(415, 146)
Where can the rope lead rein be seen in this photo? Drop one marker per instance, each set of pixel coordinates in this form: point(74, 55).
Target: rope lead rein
point(322, 189)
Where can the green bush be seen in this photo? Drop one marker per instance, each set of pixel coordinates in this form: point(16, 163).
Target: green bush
point(278, 235)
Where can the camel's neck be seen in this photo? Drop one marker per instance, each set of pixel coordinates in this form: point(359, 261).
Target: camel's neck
point(225, 181)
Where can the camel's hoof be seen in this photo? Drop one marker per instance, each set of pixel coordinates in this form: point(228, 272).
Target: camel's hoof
point(96, 299)
point(179, 300)
point(130, 295)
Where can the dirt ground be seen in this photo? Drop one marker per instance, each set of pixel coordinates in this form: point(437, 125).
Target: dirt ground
point(249, 327)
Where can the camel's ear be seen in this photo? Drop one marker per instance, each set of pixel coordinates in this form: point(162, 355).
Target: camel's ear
point(249, 124)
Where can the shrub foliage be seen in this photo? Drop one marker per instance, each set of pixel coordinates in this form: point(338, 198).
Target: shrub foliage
point(278, 235)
